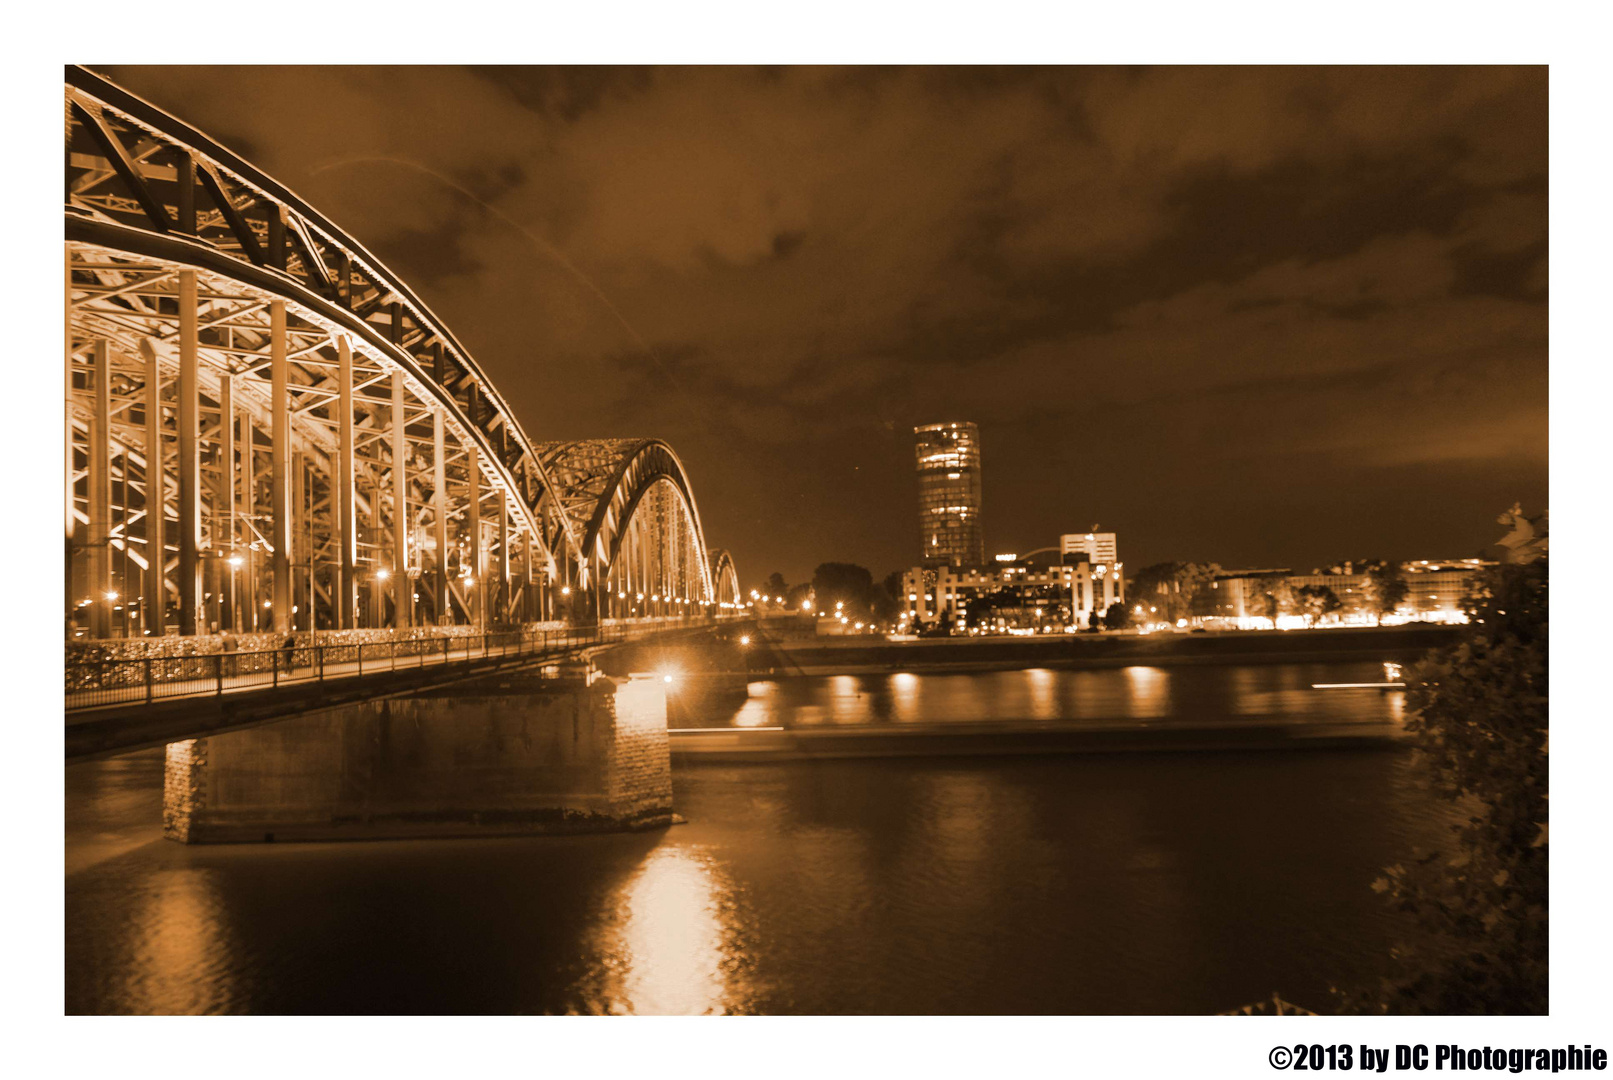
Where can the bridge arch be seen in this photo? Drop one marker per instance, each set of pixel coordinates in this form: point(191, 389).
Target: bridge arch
point(267, 429)
point(724, 580)
point(639, 526)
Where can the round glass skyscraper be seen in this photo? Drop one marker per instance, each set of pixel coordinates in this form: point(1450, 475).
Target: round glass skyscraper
point(948, 458)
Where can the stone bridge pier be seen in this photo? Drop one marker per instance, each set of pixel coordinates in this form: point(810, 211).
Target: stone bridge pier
point(558, 750)
point(708, 675)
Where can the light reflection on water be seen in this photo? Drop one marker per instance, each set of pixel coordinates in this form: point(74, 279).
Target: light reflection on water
point(1150, 691)
point(1043, 694)
point(755, 712)
point(905, 692)
point(1207, 694)
point(665, 938)
point(176, 949)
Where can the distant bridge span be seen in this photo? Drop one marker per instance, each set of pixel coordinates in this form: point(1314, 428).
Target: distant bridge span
point(269, 431)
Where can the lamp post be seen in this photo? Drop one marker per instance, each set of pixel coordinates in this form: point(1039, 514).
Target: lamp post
point(235, 561)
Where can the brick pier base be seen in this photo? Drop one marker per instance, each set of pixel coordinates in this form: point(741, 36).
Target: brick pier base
point(506, 755)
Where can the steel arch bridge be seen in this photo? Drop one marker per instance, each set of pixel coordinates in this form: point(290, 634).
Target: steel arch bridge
point(268, 430)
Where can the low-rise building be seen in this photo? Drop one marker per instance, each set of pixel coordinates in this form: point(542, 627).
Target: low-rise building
point(1435, 591)
point(1055, 593)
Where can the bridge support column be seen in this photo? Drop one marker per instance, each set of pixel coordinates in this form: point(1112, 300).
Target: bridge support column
point(512, 754)
point(100, 491)
point(345, 597)
point(279, 468)
point(240, 545)
point(70, 597)
point(251, 602)
point(476, 595)
point(502, 593)
point(402, 586)
point(190, 461)
point(439, 499)
point(529, 587)
point(154, 603)
point(221, 608)
point(301, 552)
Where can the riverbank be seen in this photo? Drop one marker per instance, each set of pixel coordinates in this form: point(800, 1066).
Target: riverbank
point(772, 653)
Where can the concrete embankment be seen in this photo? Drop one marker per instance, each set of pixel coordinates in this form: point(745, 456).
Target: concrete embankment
point(775, 654)
point(726, 746)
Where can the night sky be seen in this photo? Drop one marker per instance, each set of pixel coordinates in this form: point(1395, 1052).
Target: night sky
point(1260, 316)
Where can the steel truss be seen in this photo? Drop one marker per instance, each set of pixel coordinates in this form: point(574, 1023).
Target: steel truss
point(267, 430)
point(630, 502)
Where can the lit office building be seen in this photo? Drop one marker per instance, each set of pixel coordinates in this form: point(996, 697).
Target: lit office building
point(1096, 546)
point(948, 457)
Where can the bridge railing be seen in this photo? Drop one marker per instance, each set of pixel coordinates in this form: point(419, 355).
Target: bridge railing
point(96, 683)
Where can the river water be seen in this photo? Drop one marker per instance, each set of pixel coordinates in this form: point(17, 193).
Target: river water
point(1123, 883)
point(1195, 694)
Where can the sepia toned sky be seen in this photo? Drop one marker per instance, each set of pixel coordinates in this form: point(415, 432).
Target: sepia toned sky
point(1260, 316)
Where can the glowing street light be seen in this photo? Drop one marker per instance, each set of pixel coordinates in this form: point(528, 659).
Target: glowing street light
point(236, 561)
point(744, 639)
point(806, 605)
point(565, 590)
point(382, 574)
point(111, 596)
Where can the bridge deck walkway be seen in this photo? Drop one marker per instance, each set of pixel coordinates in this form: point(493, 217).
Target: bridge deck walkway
point(126, 713)
point(120, 684)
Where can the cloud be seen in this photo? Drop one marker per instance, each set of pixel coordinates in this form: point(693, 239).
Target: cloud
point(794, 265)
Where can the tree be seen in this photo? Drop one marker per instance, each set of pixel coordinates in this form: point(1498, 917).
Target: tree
point(1316, 601)
point(1118, 617)
point(847, 584)
point(893, 583)
point(776, 585)
point(1385, 587)
point(983, 607)
point(1171, 587)
point(1192, 579)
point(1477, 711)
point(1270, 598)
point(888, 600)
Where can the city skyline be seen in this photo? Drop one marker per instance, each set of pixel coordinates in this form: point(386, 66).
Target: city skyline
point(1138, 283)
